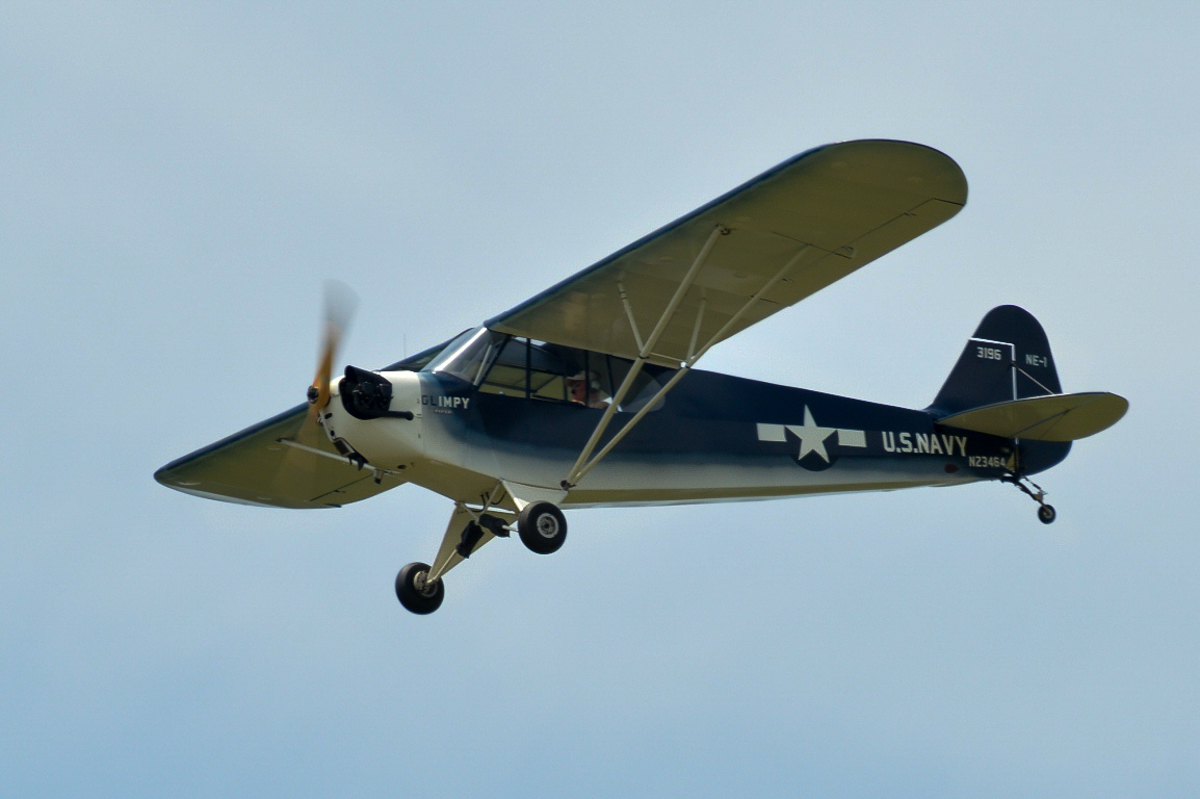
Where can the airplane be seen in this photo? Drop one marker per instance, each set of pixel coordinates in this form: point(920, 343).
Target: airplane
point(586, 395)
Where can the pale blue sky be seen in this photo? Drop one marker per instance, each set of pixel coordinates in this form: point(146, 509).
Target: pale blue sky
point(179, 179)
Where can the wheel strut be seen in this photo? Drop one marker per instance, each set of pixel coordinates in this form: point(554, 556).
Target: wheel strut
point(1046, 513)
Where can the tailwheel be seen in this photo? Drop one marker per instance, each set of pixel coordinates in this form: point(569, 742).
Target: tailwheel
point(416, 592)
point(1046, 513)
point(542, 527)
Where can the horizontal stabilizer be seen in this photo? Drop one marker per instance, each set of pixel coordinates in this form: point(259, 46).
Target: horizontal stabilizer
point(1054, 417)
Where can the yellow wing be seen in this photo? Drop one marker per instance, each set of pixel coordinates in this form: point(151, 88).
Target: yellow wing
point(266, 465)
point(793, 230)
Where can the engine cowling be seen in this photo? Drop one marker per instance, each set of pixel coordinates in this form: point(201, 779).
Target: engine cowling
point(377, 415)
point(368, 395)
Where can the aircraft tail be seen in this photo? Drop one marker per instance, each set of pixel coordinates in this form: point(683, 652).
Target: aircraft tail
point(1006, 360)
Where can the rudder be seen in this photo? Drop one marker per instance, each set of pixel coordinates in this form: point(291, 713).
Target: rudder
point(1007, 358)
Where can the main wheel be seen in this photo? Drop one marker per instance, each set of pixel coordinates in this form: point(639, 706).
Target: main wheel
point(414, 591)
point(542, 527)
point(1047, 514)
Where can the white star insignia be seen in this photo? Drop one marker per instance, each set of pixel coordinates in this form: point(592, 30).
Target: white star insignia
point(812, 436)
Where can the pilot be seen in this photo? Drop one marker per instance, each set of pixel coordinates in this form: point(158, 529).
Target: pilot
point(585, 390)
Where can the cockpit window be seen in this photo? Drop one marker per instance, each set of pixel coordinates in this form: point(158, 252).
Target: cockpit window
point(519, 367)
point(537, 370)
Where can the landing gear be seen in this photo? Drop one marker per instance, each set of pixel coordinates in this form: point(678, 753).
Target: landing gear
point(416, 592)
point(542, 527)
point(1046, 513)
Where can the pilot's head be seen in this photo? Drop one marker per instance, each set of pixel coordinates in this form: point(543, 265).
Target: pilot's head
point(584, 388)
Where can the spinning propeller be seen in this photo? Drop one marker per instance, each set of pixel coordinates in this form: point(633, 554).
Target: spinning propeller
point(340, 302)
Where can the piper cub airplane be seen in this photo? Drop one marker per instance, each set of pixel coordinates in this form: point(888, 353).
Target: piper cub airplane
point(586, 395)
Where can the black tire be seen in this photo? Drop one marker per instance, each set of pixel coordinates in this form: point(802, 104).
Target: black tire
point(1047, 514)
point(423, 600)
point(542, 527)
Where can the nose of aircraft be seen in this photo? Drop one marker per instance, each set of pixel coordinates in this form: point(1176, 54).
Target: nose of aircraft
point(377, 414)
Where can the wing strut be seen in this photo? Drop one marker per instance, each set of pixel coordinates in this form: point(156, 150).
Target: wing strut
point(644, 353)
point(583, 465)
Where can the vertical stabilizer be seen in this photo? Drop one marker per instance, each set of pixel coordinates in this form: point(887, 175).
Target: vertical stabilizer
point(1008, 358)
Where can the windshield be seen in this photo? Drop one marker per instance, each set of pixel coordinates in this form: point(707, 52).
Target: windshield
point(469, 356)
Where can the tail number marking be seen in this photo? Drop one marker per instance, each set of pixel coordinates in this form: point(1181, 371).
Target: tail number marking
point(989, 353)
point(986, 462)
